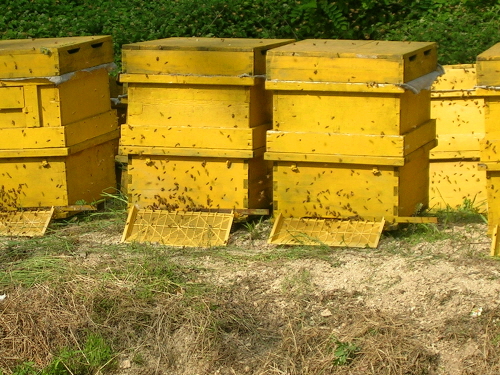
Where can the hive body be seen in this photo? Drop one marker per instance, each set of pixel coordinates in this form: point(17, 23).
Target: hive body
point(459, 109)
point(196, 123)
point(59, 133)
point(348, 140)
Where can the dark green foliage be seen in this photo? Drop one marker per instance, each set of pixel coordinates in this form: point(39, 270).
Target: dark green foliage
point(463, 28)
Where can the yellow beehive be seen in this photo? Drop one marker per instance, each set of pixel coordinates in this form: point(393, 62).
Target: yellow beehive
point(488, 82)
point(459, 112)
point(197, 118)
point(59, 133)
point(349, 139)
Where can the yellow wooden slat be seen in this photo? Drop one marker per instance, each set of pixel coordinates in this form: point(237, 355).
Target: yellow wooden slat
point(186, 229)
point(194, 137)
point(453, 181)
point(334, 158)
point(351, 144)
point(62, 151)
point(199, 56)
point(190, 152)
point(317, 231)
point(182, 79)
point(363, 87)
point(11, 97)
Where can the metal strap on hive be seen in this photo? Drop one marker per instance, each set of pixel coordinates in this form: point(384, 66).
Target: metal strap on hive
point(331, 232)
point(190, 229)
point(30, 223)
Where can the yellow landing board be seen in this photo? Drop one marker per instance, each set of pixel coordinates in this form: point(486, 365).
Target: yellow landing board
point(331, 232)
point(25, 223)
point(185, 229)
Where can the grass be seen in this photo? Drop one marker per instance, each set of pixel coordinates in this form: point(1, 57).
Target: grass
point(77, 305)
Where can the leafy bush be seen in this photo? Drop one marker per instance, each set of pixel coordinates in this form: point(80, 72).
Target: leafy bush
point(463, 28)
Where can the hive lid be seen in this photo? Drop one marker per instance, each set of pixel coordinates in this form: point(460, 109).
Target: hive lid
point(352, 61)
point(45, 57)
point(199, 56)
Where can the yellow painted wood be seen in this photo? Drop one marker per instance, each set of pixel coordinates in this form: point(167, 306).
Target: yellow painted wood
point(59, 136)
point(333, 158)
point(62, 151)
point(186, 183)
point(351, 61)
point(50, 105)
point(459, 112)
point(21, 58)
point(458, 79)
point(365, 192)
point(199, 56)
point(339, 112)
point(334, 86)
point(454, 181)
point(166, 105)
point(303, 189)
point(493, 194)
point(209, 153)
point(57, 180)
point(488, 65)
point(188, 80)
point(194, 137)
point(351, 144)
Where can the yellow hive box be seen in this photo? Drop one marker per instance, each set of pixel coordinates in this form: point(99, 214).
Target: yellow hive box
point(459, 111)
point(198, 82)
point(186, 183)
point(41, 114)
point(22, 58)
point(53, 180)
point(367, 63)
point(341, 190)
point(454, 182)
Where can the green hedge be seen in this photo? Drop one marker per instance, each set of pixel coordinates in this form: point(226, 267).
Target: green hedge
point(462, 28)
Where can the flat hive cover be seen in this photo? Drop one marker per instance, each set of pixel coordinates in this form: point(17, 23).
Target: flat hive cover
point(24, 58)
point(199, 56)
point(355, 61)
point(189, 229)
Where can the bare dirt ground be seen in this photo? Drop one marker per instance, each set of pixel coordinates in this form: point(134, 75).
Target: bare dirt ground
point(411, 306)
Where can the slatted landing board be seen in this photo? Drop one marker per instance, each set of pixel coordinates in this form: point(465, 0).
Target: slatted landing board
point(30, 223)
point(190, 229)
point(331, 232)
